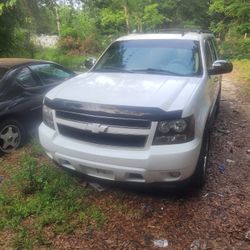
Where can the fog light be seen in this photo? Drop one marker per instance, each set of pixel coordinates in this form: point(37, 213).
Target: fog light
point(174, 174)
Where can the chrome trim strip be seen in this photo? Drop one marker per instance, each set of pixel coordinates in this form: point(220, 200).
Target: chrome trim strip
point(120, 119)
point(102, 128)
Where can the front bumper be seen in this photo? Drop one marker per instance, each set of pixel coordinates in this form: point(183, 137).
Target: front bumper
point(168, 163)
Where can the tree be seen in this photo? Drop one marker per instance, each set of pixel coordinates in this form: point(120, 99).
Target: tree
point(231, 15)
point(152, 18)
point(7, 27)
point(6, 4)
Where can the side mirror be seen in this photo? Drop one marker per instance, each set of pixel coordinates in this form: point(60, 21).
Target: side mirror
point(89, 62)
point(220, 67)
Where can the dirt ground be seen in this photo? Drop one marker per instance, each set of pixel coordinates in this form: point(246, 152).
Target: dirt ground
point(216, 217)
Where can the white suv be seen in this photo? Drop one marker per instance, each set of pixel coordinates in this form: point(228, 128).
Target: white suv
point(142, 113)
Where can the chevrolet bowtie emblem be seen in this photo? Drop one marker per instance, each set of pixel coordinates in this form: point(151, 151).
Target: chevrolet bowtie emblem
point(96, 128)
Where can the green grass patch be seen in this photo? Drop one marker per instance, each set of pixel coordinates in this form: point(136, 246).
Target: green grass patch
point(93, 217)
point(73, 62)
point(235, 48)
point(40, 196)
point(242, 71)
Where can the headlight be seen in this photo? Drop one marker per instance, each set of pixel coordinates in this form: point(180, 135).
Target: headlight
point(48, 117)
point(174, 131)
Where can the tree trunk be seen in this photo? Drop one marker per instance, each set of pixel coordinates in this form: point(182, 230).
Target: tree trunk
point(126, 13)
point(58, 21)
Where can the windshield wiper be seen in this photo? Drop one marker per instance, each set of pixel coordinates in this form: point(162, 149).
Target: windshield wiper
point(157, 71)
point(113, 69)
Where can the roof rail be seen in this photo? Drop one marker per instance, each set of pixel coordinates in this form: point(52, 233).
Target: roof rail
point(183, 31)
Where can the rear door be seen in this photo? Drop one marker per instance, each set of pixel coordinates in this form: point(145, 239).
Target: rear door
point(31, 96)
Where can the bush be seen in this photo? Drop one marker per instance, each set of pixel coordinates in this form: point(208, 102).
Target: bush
point(73, 62)
point(236, 48)
point(76, 46)
point(241, 69)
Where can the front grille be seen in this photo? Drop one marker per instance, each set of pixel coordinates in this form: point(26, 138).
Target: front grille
point(117, 121)
point(103, 129)
point(103, 138)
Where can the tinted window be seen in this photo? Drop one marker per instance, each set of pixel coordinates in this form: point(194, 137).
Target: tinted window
point(172, 57)
point(50, 73)
point(26, 79)
point(209, 55)
point(214, 48)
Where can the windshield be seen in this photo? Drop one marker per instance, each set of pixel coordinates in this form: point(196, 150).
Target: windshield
point(165, 56)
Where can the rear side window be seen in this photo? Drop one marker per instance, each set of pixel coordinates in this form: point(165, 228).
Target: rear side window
point(215, 48)
point(210, 57)
point(26, 79)
point(50, 73)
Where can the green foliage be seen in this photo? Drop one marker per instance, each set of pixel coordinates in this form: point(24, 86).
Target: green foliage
point(227, 15)
point(152, 18)
point(241, 69)
point(181, 13)
point(93, 216)
point(76, 23)
point(234, 48)
point(39, 196)
point(6, 5)
point(23, 241)
point(7, 28)
point(74, 62)
point(124, 16)
point(112, 20)
point(89, 29)
point(76, 46)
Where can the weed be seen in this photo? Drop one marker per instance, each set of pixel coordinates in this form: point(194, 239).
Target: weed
point(242, 69)
point(40, 196)
point(53, 54)
point(93, 216)
point(23, 240)
point(64, 228)
point(36, 148)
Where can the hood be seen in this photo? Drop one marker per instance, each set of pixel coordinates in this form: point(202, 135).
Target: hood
point(128, 89)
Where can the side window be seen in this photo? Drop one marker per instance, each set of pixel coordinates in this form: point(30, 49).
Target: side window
point(212, 49)
point(26, 79)
point(215, 48)
point(50, 73)
point(209, 56)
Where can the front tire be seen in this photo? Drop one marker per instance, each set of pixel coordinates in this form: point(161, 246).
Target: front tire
point(199, 176)
point(12, 135)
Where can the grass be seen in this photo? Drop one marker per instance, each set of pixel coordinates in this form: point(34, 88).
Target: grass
point(55, 55)
point(41, 197)
point(242, 70)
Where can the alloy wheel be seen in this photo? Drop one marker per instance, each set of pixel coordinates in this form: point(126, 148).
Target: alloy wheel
point(10, 138)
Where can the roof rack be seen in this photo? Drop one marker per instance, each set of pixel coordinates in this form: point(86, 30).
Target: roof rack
point(183, 31)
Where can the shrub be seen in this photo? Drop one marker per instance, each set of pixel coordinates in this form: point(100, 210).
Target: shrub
point(76, 46)
point(73, 62)
point(235, 48)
